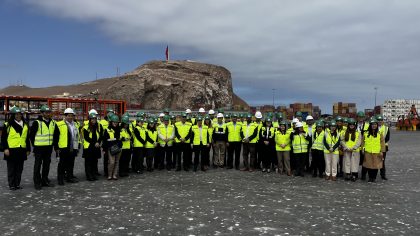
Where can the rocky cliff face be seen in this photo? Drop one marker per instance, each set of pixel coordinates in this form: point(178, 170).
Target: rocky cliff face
point(174, 84)
point(154, 86)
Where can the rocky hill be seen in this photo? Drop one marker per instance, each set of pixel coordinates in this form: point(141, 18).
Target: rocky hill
point(154, 85)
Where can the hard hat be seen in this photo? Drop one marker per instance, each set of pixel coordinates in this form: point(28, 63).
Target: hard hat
point(319, 124)
point(339, 118)
point(161, 115)
point(199, 118)
point(360, 114)
point(166, 118)
point(298, 125)
point(207, 117)
point(309, 118)
point(93, 111)
point(282, 123)
point(346, 120)
point(295, 120)
point(45, 108)
point(140, 114)
point(299, 114)
point(351, 121)
point(125, 120)
point(15, 110)
point(332, 123)
point(227, 116)
point(211, 112)
point(183, 114)
point(68, 111)
point(114, 118)
point(248, 116)
point(268, 119)
point(201, 110)
point(279, 115)
point(379, 118)
point(152, 121)
point(234, 115)
point(188, 111)
point(173, 117)
point(140, 119)
point(258, 115)
point(166, 110)
point(92, 116)
point(219, 115)
point(109, 110)
point(372, 120)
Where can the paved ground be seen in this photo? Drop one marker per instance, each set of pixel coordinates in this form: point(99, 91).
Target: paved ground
point(221, 202)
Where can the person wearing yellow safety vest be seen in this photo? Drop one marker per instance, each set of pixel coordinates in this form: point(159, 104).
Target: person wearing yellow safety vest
point(249, 133)
point(101, 128)
point(331, 145)
point(212, 116)
point(207, 122)
point(282, 140)
point(166, 134)
point(309, 128)
point(139, 142)
point(66, 143)
point(112, 145)
point(234, 141)
point(200, 137)
point(259, 155)
point(300, 147)
point(374, 147)
point(41, 136)
point(125, 136)
point(182, 143)
point(384, 129)
point(351, 139)
point(105, 123)
point(340, 129)
point(362, 126)
point(16, 146)
point(268, 148)
point(92, 138)
point(151, 144)
point(317, 148)
point(220, 137)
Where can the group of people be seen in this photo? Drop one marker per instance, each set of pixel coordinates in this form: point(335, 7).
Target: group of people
point(327, 148)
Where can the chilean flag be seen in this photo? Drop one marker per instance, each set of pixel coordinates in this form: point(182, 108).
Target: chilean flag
point(167, 53)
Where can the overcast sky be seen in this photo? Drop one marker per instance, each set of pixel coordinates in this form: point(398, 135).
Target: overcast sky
point(309, 51)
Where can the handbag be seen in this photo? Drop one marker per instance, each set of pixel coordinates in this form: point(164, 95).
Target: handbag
point(114, 149)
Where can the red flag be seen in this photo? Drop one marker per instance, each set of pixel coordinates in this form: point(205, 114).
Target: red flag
point(167, 53)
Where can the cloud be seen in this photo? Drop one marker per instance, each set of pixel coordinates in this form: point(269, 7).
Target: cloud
point(321, 51)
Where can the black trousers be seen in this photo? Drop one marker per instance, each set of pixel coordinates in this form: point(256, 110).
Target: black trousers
point(91, 157)
point(234, 148)
point(340, 163)
point(42, 161)
point(372, 173)
point(299, 162)
point(318, 162)
point(183, 152)
point(165, 153)
point(268, 155)
point(14, 171)
point(364, 169)
point(124, 164)
point(106, 163)
point(200, 151)
point(138, 159)
point(383, 170)
point(259, 155)
point(66, 164)
point(150, 155)
point(307, 164)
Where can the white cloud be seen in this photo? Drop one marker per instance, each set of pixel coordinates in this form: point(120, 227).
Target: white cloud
point(321, 51)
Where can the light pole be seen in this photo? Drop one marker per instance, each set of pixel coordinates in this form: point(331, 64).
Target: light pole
point(376, 92)
point(273, 98)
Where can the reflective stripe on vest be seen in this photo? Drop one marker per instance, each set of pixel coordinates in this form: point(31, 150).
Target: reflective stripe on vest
point(372, 144)
point(350, 143)
point(165, 131)
point(248, 130)
point(44, 134)
point(318, 141)
point(183, 130)
point(142, 132)
point(14, 139)
point(196, 131)
point(282, 139)
point(234, 132)
point(85, 143)
point(331, 141)
point(153, 135)
point(300, 144)
point(124, 134)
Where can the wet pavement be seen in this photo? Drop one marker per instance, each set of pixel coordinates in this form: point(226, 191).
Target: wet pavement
point(220, 202)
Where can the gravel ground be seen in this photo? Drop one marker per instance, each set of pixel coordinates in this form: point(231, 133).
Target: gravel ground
point(220, 202)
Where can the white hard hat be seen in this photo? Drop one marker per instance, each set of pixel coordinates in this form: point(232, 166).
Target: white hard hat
point(188, 111)
point(295, 120)
point(258, 115)
point(68, 111)
point(201, 110)
point(219, 115)
point(309, 118)
point(298, 124)
point(211, 112)
point(161, 115)
point(93, 111)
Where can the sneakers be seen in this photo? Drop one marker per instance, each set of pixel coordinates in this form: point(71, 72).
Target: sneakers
point(384, 177)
